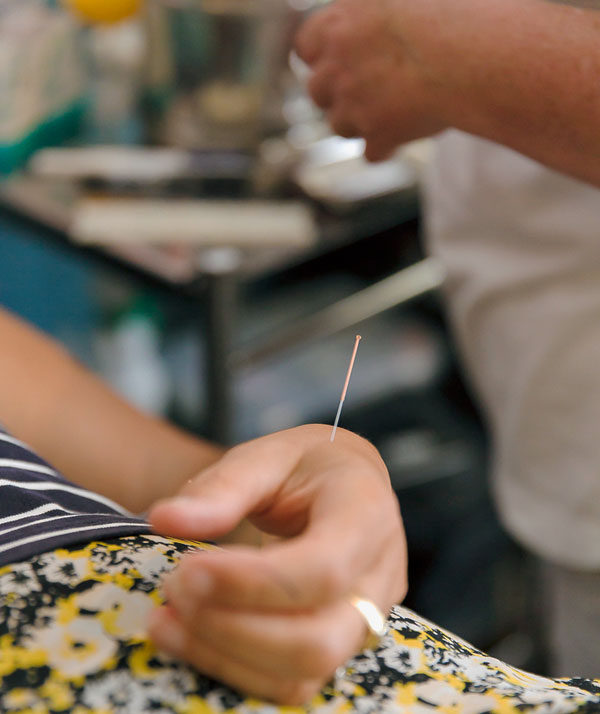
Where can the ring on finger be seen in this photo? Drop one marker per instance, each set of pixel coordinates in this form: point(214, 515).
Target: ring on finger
point(374, 619)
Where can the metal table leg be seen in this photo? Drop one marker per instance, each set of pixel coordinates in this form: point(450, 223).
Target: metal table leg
point(220, 266)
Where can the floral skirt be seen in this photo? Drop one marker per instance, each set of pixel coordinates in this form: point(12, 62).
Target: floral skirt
point(72, 639)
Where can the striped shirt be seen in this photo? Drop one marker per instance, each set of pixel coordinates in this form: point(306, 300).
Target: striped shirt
point(40, 510)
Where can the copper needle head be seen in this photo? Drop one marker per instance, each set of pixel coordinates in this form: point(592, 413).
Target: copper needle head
point(345, 389)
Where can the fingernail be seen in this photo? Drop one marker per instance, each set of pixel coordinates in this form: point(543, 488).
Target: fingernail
point(166, 632)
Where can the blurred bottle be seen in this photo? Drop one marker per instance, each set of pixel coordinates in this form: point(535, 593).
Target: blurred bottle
point(114, 40)
point(130, 358)
point(116, 55)
point(104, 11)
point(42, 79)
point(219, 70)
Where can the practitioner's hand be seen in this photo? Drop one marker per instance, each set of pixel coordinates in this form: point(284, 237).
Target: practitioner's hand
point(368, 71)
point(275, 622)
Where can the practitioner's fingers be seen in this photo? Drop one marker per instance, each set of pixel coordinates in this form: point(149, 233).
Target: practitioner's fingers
point(320, 84)
point(310, 41)
point(342, 124)
point(377, 150)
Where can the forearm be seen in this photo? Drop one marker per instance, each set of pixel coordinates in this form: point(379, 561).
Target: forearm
point(89, 433)
point(524, 73)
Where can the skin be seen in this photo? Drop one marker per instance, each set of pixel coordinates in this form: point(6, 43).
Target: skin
point(272, 621)
point(49, 400)
point(523, 74)
point(340, 527)
point(388, 70)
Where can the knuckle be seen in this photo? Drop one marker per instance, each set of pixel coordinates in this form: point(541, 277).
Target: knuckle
point(338, 37)
point(346, 87)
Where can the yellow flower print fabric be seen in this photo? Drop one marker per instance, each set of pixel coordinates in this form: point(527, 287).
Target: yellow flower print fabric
point(72, 639)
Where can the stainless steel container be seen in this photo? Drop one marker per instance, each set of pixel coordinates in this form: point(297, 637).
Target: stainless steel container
point(217, 70)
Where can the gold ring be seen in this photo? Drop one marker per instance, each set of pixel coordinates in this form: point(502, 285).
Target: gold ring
point(374, 619)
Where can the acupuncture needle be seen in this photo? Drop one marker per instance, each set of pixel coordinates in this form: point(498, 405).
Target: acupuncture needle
point(345, 389)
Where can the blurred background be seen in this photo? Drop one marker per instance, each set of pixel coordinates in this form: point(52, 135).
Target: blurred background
point(175, 210)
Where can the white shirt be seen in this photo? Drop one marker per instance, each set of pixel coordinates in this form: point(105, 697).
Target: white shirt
point(521, 245)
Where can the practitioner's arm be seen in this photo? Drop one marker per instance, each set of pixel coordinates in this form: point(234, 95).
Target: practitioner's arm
point(524, 73)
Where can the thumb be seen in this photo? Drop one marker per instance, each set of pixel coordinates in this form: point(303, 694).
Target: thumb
point(214, 502)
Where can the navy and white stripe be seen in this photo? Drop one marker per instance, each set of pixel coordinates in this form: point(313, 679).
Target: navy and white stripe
point(40, 510)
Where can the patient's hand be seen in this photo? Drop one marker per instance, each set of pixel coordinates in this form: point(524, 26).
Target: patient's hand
point(275, 622)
